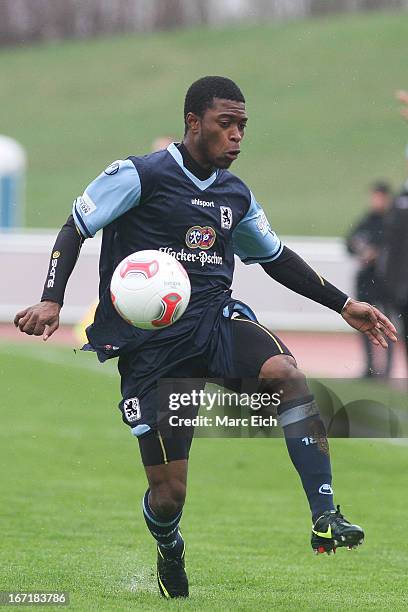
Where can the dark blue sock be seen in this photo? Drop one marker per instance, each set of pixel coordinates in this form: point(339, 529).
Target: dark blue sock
point(165, 531)
point(309, 451)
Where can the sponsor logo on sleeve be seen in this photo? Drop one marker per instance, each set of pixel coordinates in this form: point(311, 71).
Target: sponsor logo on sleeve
point(131, 409)
point(262, 223)
point(112, 168)
point(53, 269)
point(226, 217)
point(86, 205)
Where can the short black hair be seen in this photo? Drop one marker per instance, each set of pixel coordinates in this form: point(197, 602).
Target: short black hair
point(381, 187)
point(201, 93)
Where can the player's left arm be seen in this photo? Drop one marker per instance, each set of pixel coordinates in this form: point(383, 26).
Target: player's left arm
point(255, 242)
point(292, 271)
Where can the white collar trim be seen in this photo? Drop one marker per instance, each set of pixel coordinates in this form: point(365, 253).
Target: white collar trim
point(175, 153)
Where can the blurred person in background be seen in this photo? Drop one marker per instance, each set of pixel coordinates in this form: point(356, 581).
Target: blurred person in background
point(366, 242)
point(393, 263)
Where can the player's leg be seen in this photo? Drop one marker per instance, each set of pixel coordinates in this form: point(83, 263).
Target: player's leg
point(163, 502)
point(164, 453)
point(368, 351)
point(365, 293)
point(163, 505)
point(308, 448)
point(303, 428)
point(165, 461)
point(259, 352)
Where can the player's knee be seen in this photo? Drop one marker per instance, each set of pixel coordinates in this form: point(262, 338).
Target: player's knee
point(282, 371)
point(280, 368)
point(168, 498)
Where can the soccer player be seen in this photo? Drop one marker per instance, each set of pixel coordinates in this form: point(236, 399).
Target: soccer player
point(184, 201)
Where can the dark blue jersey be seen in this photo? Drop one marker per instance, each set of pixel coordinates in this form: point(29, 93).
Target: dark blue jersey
point(154, 202)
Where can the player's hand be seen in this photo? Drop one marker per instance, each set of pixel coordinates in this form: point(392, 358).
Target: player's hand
point(402, 96)
point(370, 321)
point(39, 320)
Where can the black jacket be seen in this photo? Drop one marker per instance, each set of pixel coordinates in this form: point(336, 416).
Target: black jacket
point(393, 263)
point(369, 232)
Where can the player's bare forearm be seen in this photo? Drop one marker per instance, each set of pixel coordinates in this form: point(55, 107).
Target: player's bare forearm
point(39, 320)
point(370, 321)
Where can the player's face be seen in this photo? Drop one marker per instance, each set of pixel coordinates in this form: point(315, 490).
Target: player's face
point(218, 134)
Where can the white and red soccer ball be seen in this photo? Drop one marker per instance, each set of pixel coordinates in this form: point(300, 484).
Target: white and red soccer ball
point(150, 289)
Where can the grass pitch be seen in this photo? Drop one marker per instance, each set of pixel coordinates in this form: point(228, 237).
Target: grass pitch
point(72, 484)
point(323, 121)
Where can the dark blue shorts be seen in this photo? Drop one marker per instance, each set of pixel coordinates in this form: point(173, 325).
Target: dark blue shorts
point(145, 405)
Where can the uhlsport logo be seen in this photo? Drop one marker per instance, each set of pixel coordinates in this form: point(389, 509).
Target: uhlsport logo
point(202, 203)
point(200, 237)
point(131, 409)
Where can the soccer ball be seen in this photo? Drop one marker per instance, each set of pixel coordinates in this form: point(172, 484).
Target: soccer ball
point(150, 289)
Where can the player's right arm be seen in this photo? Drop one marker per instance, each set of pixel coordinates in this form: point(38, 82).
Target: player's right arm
point(110, 195)
point(43, 319)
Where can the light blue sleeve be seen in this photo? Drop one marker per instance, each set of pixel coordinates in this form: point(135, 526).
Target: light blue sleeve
point(253, 239)
point(115, 191)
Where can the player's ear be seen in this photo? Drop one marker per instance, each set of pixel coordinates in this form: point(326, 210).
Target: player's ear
point(193, 122)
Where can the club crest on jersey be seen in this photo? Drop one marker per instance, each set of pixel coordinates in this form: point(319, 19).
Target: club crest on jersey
point(131, 409)
point(226, 217)
point(198, 237)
